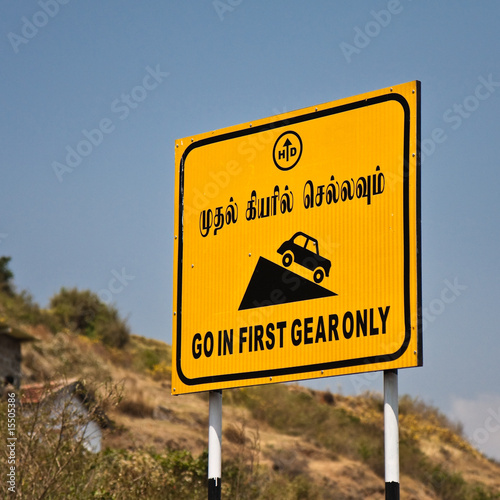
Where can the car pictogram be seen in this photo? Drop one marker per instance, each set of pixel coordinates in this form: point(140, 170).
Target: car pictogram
point(303, 250)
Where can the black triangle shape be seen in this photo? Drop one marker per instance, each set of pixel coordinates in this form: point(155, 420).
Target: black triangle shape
point(272, 284)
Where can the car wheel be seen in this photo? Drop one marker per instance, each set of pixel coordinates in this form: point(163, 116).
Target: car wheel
point(287, 259)
point(318, 275)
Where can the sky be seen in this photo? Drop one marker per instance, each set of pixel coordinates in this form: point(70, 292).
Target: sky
point(95, 94)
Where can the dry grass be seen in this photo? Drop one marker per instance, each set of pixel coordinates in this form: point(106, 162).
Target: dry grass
point(136, 406)
point(284, 439)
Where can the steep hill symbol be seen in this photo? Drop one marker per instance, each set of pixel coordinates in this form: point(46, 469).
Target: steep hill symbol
point(272, 284)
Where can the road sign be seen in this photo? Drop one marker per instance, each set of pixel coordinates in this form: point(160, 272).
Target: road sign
point(297, 245)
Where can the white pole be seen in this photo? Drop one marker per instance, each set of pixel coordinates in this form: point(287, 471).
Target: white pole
point(391, 435)
point(214, 445)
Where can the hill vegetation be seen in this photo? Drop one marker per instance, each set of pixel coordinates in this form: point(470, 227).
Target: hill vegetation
point(280, 441)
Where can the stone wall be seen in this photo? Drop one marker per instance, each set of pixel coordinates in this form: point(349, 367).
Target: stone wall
point(10, 359)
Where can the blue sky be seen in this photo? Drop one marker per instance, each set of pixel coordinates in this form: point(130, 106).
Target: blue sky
point(128, 78)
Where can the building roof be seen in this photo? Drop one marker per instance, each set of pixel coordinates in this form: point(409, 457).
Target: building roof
point(33, 394)
point(16, 333)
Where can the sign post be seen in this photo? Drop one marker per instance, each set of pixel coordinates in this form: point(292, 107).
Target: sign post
point(391, 435)
point(214, 445)
point(297, 245)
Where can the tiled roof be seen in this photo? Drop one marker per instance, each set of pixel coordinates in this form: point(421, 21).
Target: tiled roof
point(15, 333)
point(34, 393)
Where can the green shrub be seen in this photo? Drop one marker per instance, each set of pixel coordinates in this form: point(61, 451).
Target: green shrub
point(6, 276)
point(479, 493)
point(448, 485)
point(20, 309)
point(84, 313)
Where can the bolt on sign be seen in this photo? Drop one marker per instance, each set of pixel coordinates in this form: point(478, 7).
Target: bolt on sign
point(297, 245)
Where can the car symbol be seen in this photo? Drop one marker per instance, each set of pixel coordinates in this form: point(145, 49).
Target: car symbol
point(303, 250)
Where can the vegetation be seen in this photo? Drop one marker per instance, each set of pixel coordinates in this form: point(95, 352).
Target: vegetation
point(344, 433)
point(336, 429)
point(6, 276)
point(129, 378)
point(84, 313)
point(78, 311)
point(52, 462)
point(19, 308)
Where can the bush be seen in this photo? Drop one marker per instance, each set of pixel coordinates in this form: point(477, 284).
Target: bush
point(20, 308)
point(51, 454)
point(6, 276)
point(112, 331)
point(84, 313)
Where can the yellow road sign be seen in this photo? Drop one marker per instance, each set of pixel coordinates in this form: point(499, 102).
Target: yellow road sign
point(297, 245)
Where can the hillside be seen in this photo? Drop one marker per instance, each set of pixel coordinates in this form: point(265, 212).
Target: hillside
point(279, 441)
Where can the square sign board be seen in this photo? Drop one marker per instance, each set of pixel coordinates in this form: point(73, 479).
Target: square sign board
point(297, 245)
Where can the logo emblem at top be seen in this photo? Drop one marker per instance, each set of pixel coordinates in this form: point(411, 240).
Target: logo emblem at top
point(287, 150)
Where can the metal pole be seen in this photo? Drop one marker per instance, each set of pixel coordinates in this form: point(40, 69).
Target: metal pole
point(391, 435)
point(214, 445)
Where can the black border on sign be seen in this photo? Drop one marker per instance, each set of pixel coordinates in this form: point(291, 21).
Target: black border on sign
point(420, 348)
point(253, 375)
